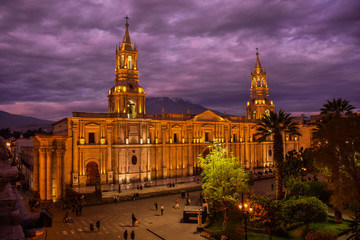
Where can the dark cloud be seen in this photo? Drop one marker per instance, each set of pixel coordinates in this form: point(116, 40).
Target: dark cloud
point(58, 56)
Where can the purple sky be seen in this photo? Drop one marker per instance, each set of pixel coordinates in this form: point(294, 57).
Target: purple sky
point(58, 56)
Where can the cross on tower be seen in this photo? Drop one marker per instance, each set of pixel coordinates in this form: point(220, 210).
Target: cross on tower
point(257, 50)
point(127, 18)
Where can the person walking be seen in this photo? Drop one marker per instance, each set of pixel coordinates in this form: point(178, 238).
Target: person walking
point(133, 219)
point(156, 206)
point(132, 235)
point(98, 225)
point(177, 204)
point(91, 227)
point(77, 211)
point(162, 209)
point(125, 235)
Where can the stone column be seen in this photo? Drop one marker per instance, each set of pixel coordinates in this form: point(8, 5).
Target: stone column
point(48, 174)
point(75, 163)
point(42, 174)
point(109, 157)
point(36, 170)
point(59, 169)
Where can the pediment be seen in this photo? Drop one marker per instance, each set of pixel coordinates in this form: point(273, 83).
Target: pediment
point(176, 126)
point(209, 116)
point(235, 128)
point(92, 125)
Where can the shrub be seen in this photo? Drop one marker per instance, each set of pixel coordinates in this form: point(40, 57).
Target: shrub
point(305, 210)
point(317, 235)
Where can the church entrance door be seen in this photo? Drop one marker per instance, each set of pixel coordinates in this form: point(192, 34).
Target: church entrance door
point(91, 172)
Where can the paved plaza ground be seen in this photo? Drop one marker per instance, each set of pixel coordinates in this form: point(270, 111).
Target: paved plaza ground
point(115, 218)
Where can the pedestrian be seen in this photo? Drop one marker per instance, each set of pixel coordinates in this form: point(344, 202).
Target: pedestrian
point(272, 187)
point(177, 204)
point(77, 211)
point(133, 219)
point(73, 208)
point(91, 227)
point(80, 209)
point(132, 235)
point(98, 225)
point(125, 235)
point(162, 209)
point(156, 206)
point(137, 187)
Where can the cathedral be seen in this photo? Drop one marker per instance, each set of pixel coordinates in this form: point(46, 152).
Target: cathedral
point(127, 145)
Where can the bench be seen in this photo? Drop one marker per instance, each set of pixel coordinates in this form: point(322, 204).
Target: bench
point(206, 234)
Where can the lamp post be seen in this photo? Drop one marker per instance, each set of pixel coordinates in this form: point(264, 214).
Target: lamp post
point(245, 209)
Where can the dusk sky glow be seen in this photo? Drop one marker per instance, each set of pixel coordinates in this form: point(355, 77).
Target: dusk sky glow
point(58, 57)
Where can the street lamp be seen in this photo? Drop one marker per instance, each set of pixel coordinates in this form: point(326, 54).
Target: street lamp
point(245, 209)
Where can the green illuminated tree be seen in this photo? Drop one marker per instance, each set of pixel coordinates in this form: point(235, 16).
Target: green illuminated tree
point(223, 180)
point(276, 124)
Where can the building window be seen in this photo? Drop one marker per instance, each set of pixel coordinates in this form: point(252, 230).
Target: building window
point(91, 137)
point(134, 160)
point(131, 109)
point(254, 115)
point(267, 112)
point(234, 137)
point(129, 62)
point(175, 138)
point(270, 152)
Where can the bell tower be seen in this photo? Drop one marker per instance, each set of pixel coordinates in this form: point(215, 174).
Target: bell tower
point(259, 103)
point(127, 98)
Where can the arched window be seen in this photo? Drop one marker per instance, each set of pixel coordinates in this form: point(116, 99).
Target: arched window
point(131, 109)
point(129, 62)
point(122, 60)
point(254, 115)
point(134, 160)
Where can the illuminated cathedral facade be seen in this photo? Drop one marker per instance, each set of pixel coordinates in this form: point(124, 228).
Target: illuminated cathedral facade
point(127, 145)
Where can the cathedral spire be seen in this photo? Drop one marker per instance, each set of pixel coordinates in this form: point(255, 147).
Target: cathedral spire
point(258, 68)
point(127, 35)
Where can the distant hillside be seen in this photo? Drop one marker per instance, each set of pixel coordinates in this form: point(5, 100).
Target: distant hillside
point(19, 122)
point(154, 105)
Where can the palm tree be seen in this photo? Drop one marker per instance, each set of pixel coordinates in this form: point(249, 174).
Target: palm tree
point(276, 124)
point(336, 107)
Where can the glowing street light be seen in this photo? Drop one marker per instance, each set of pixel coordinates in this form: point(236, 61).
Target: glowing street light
point(246, 210)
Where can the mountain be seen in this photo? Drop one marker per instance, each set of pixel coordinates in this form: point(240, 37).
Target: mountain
point(154, 106)
point(19, 122)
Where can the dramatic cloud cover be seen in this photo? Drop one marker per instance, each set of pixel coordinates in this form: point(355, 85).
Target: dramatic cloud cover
point(58, 56)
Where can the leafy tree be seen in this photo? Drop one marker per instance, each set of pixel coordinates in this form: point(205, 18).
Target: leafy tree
point(276, 124)
point(336, 107)
point(337, 154)
point(298, 188)
point(294, 164)
point(5, 133)
point(266, 211)
point(223, 179)
point(304, 209)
